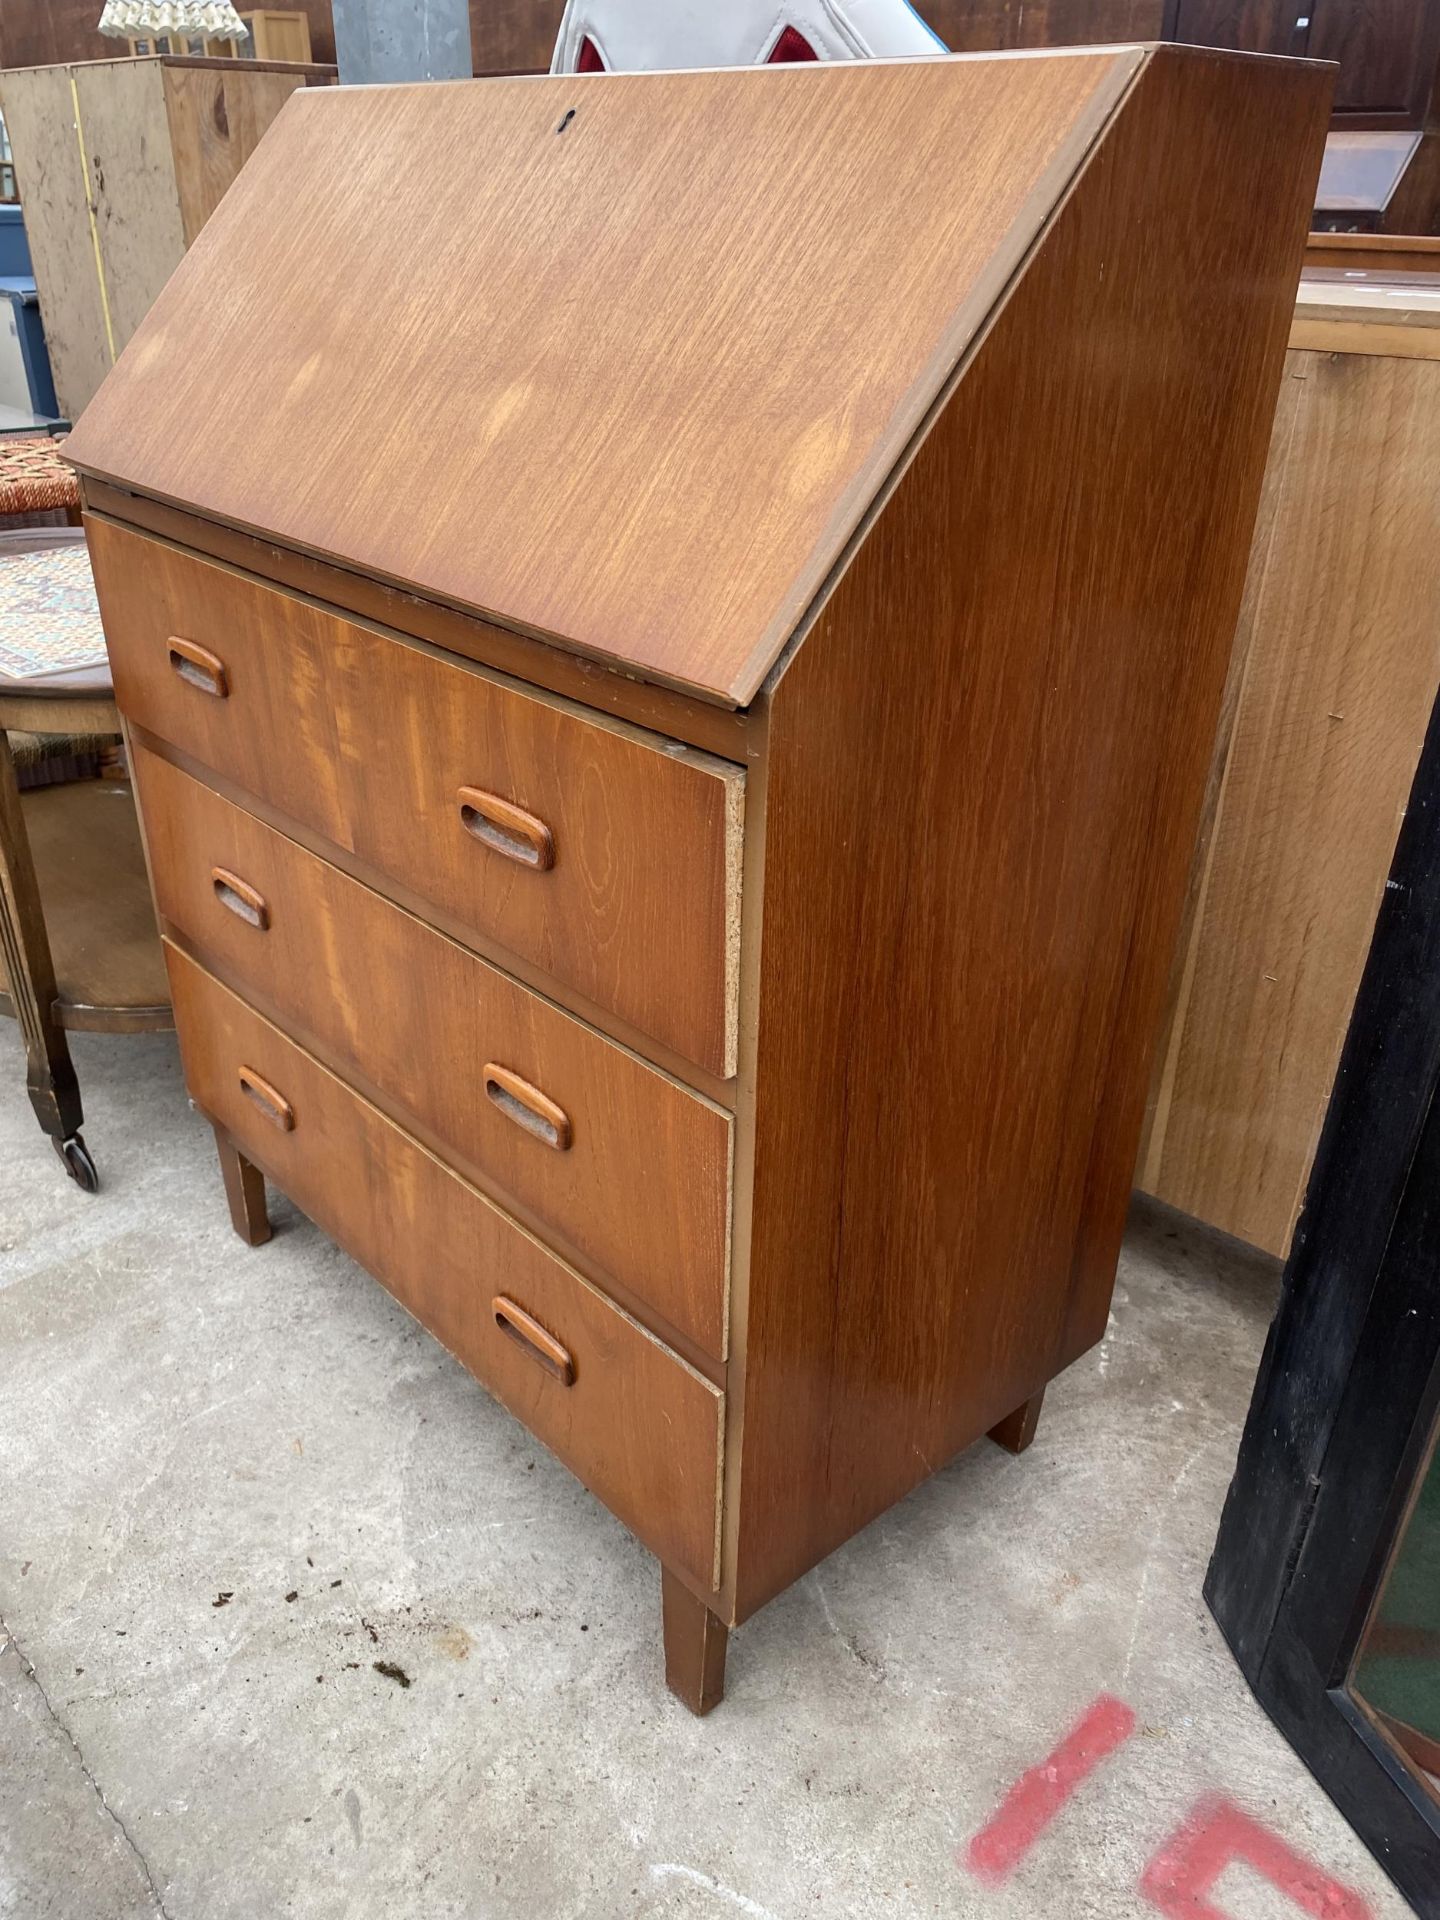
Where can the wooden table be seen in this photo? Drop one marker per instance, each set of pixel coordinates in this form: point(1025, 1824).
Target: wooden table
point(78, 944)
point(1336, 664)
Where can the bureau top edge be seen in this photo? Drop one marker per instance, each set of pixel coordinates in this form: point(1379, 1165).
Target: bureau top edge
point(528, 660)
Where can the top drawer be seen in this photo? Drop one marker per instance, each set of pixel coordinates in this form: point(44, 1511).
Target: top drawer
point(605, 856)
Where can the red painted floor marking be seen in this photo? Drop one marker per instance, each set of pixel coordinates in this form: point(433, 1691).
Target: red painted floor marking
point(1039, 1795)
point(1179, 1879)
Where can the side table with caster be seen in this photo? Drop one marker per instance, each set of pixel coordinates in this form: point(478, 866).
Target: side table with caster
point(79, 951)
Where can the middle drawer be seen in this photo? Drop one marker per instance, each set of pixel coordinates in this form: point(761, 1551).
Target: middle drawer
point(629, 1167)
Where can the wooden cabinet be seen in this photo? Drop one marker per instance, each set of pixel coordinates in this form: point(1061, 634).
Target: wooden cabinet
point(277, 35)
point(1250, 26)
point(514, 36)
point(1336, 665)
point(269, 35)
point(974, 26)
point(120, 163)
point(1386, 49)
point(670, 821)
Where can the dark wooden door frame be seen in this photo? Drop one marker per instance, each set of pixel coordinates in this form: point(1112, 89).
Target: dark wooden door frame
point(1349, 1386)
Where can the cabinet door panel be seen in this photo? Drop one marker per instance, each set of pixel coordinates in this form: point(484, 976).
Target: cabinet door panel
point(1251, 26)
point(1386, 50)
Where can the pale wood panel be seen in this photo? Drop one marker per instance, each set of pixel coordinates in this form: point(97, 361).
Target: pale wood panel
point(1364, 336)
point(216, 122)
point(639, 1427)
point(132, 180)
point(282, 34)
point(555, 424)
point(1282, 430)
point(955, 1020)
point(369, 741)
point(383, 995)
point(39, 112)
point(1342, 658)
point(161, 141)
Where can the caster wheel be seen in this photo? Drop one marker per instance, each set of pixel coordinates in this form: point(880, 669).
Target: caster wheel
point(75, 1158)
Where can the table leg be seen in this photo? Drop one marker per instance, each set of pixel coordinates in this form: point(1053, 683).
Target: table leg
point(50, 1076)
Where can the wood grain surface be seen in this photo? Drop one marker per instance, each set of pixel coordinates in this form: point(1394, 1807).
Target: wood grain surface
point(130, 172)
point(695, 1641)
point(699, 723)
point(369, 741)
point(216, 120)
point(954, 1020)
point(976, 26)
point(1341, 659)
point(513, 36)
point(388, 997)
point(559, 430)
point(150, 145)
point(639, 1427)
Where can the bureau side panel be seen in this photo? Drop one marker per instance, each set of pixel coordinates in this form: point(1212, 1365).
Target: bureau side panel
point(986, 765)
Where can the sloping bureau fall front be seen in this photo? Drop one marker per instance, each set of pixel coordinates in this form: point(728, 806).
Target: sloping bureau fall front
point(669, 775)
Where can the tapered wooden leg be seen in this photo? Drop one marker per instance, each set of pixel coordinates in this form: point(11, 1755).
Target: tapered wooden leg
point(30, 978)
point(694, 1646)
point(1017, 1429)
point(245, 1191)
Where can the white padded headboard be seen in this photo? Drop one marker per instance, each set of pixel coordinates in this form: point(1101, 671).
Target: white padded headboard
point(632, 36)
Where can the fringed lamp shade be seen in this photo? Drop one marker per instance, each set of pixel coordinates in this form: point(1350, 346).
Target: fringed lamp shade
point(212, 19)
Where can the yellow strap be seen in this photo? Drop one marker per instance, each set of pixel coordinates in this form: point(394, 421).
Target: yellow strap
point(94, 223)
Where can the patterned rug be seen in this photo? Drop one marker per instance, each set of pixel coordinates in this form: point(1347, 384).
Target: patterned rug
point(49, 621)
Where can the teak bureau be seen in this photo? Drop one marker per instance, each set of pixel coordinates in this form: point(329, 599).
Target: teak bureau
point(669, 774)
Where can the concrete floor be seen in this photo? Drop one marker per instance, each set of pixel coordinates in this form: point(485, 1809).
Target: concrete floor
point(182, 1419)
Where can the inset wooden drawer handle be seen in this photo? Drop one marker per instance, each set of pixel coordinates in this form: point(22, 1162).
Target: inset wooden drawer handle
point(528, 1333)
point(528, 1107)
point(198, 667)
point(507, 829)
point(275, 1107)
point(242, 900)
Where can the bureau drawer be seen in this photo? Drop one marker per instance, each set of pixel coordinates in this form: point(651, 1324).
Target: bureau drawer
point(638, 1426)
point(607, 857)
point(631, 1168)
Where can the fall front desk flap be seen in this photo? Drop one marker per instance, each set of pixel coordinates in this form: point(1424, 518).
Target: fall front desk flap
point(619, 360)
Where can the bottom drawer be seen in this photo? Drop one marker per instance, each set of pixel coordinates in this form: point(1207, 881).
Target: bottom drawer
point(637, 1425)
